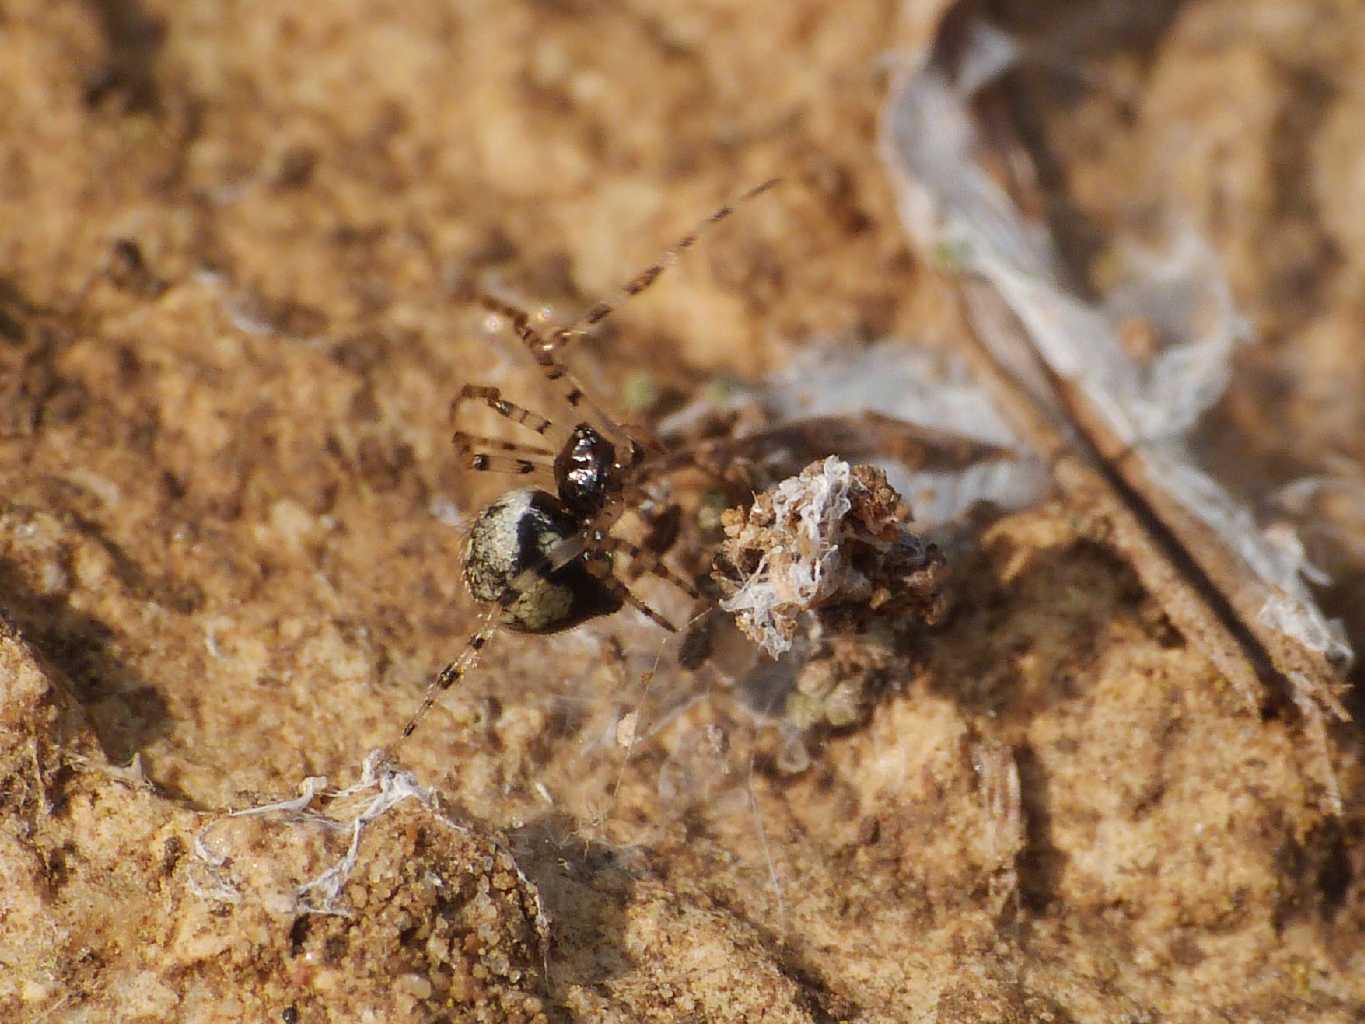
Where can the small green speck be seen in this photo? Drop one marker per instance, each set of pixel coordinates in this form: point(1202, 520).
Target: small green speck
point(640, 393)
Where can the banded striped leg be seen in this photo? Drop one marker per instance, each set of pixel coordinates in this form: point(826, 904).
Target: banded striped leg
point(486, 463)
point(597, 561)
point(543, 353)
point(492, 397)
point(591, 536)
point(703, 457)
point(452, 673)
point(600, 566)
point(586, 539)
point(599, 311)
point(464, 442)
point(648, 561)
point(517, 458)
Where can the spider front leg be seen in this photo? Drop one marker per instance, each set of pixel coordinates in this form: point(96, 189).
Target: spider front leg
point(519, 459)
point(464, 443)
point(485, 463)
point(513, 458)
point(492, 397)
point(543, 351)
point(599, 311)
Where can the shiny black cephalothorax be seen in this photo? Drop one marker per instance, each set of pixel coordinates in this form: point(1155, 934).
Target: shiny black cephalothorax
point(586, 472)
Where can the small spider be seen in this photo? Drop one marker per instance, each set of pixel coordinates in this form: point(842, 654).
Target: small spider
point(542, 562)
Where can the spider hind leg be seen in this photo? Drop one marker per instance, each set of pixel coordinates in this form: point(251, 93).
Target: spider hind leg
point(452, 673)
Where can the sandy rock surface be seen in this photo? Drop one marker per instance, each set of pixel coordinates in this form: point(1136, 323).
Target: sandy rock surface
point(230, 539)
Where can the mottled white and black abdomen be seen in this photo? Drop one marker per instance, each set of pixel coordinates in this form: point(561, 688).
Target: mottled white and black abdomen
point(517, 533)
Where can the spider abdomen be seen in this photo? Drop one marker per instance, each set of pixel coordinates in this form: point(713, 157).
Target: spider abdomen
point(516, 533)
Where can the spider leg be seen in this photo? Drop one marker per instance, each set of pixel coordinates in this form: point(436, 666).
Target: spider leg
point(591, 536)
point(648, 561)
point(601, 568)
point(702, 457)
point(616, 586)
point(543, 353)
point(453, 672)
point(598, 545)
point(862, 434)
point(594, 544)
point(464, 443)
point(599, 311)
point(486, 463)
point(492, 398)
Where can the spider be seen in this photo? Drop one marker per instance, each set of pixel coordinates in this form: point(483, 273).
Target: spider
point(543, 562)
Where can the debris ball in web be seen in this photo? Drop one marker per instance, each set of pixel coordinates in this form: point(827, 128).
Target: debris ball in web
point(832, 542)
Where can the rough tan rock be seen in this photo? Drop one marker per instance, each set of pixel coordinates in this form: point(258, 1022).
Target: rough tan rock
point(226, 566)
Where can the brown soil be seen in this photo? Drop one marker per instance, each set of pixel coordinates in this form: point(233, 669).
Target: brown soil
point(224, 565)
